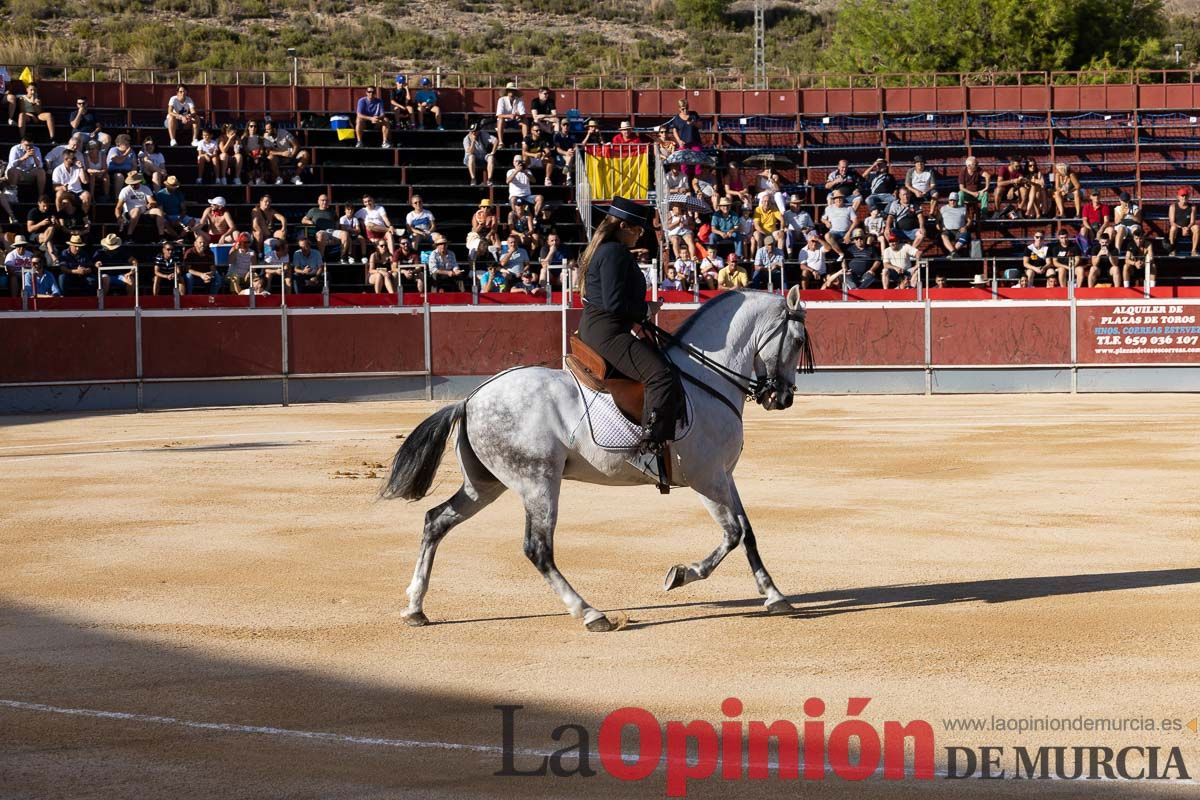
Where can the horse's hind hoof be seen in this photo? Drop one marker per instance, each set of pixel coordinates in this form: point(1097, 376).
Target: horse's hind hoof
point(416, 620)
point(601, 625)
point(675, 578)
point(780, 607)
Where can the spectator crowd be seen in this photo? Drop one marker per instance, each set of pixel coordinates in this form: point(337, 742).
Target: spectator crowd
point(95, 190)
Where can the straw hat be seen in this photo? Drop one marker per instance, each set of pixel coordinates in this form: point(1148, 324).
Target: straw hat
point(76, 240)
point(133, 179)
point(111, 242)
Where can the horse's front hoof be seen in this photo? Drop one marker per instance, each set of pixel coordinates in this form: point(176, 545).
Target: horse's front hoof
point(780, 607)
point(601, 625)
point(417, 619)
point(675, 578)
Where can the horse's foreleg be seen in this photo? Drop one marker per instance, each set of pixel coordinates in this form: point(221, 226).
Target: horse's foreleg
point(541, 515)
point(724, 516)
point(726, 509)
point(465, 503)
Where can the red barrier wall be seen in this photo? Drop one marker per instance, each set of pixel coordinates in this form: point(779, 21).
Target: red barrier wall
point(481, 343)
point(219, 343)
point(68, 348)
point(847, 337)
point(211, 345)
point(357, 342)
point(1001, 336)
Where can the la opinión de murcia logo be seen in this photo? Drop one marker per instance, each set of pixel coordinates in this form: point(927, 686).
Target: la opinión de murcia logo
point(631, 744)
point(695, 750)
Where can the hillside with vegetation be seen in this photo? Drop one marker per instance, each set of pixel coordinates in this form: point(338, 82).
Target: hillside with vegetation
point(686, 42)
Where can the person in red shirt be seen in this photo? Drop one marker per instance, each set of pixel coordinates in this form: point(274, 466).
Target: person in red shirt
point(627, 135)
point(1097, 216)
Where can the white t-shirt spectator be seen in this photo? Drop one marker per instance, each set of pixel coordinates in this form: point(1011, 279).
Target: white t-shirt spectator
point(17, 261)
point(71, 178)
point(184, 106)
point(518, 183)
point(921, 181)
point(839, 217)
point(677, 182)
point(419, 220)
point(510, 105)
point(207, 148)
point(517, 261)
point(372, 216)
point(900, 259)
point(814, 259)
point(953, 217)
point(134, 197)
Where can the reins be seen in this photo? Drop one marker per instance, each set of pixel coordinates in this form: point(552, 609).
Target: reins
point(751, 386)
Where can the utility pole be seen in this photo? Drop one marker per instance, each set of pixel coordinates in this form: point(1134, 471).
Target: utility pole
point(760, 47)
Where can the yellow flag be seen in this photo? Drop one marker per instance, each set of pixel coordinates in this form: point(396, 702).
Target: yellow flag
point(26, 76)
point(618, 170)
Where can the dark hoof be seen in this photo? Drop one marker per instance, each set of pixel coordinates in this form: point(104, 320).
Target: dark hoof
point(780, 607)
point(417, 620)
point(600, 625)
point(674, 579)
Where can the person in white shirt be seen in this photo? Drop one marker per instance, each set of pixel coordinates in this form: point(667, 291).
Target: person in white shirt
point(510, 109)
point(132, 203)
point(152, 163)
point(420, 222)
point(798, 223)
point(900, 261)
point(25, 164)
point(812, 263)
point(69, 178)
point(838, 218)
point(208, 157)
point(181, 110)
point(375, 223)
point(519, 191)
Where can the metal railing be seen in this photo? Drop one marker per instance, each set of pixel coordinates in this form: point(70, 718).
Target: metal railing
point(717, 79)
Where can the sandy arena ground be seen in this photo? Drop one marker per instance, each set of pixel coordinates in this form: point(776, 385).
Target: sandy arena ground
point(1014, 556)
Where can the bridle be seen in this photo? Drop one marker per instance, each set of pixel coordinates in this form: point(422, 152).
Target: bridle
point(752, 387)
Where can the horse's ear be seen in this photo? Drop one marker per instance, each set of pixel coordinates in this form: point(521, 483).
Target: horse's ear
point(793, 298)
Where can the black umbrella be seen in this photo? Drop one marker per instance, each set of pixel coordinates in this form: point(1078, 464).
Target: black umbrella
point(769, 160)
point(691, 157)
point(690, 202)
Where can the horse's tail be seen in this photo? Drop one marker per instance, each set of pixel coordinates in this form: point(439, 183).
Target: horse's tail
point(417, 460)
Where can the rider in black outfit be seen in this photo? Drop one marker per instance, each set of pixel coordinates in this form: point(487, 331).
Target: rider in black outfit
point(614, 296)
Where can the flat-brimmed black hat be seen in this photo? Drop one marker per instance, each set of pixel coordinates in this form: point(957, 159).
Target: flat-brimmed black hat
point(629, 211)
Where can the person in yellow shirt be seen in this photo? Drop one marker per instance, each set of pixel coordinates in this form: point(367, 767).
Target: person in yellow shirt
point(768, 222)
point(732, 276)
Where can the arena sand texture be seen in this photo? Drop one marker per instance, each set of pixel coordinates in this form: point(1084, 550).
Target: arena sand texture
point(948, 556)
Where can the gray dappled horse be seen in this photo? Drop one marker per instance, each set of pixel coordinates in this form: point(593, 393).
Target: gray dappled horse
point(517, 432)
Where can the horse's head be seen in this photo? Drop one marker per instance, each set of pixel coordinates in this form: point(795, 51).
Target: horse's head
point(782, 350)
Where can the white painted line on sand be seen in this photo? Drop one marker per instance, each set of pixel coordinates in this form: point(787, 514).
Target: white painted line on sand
point(261, 730)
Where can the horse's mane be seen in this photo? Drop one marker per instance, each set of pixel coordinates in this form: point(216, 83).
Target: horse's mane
point(723, 297)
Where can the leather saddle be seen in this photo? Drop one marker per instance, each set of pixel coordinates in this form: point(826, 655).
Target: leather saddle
point(598, 375)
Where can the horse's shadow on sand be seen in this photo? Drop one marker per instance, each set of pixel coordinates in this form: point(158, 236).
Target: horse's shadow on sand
point(873, 598)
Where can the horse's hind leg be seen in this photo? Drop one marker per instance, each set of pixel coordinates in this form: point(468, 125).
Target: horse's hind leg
point(541, 515)
point(478, 490)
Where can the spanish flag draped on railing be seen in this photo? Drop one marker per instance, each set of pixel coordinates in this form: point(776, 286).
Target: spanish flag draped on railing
point(618, 169)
